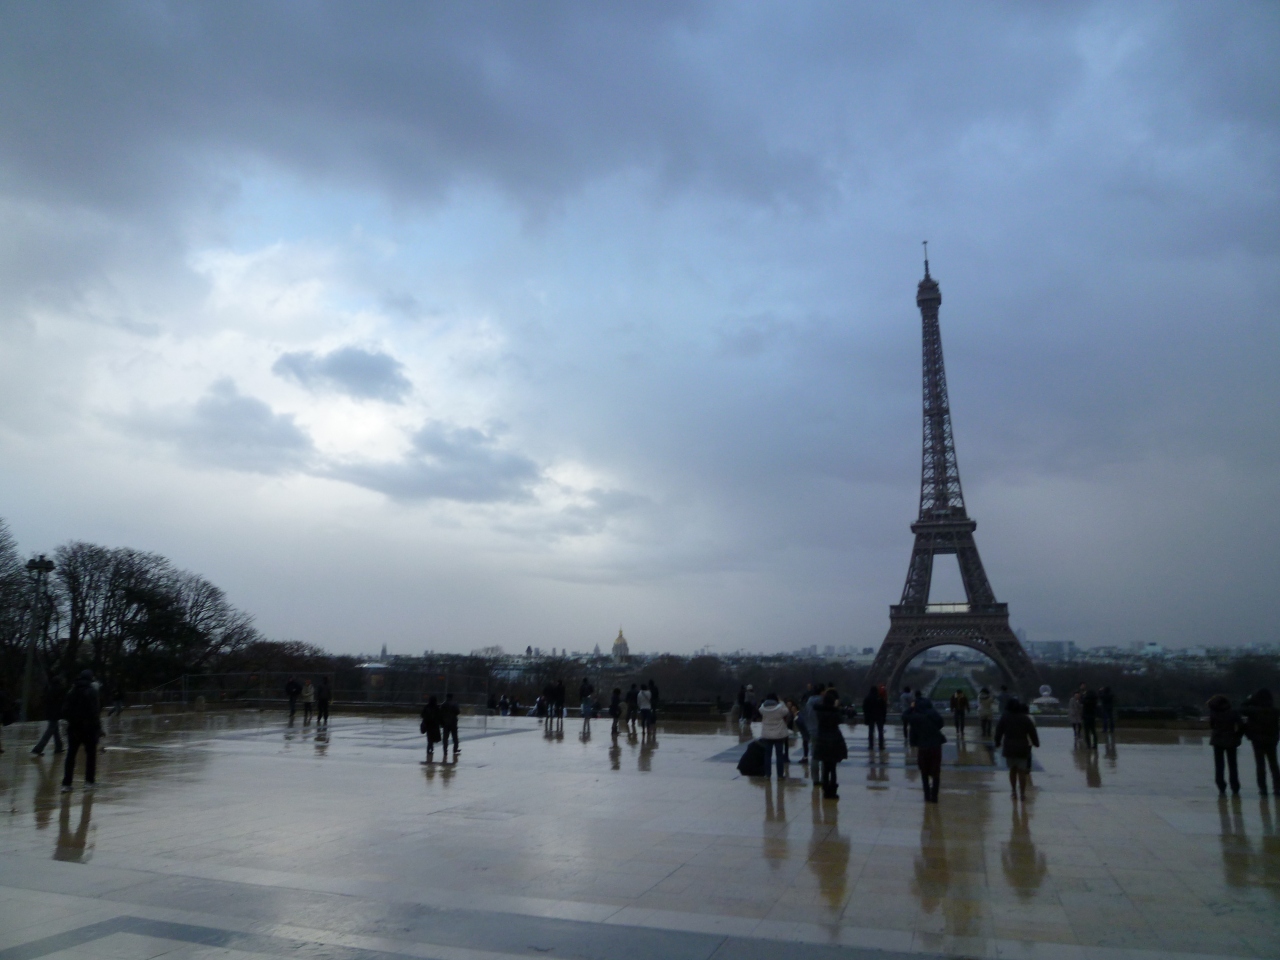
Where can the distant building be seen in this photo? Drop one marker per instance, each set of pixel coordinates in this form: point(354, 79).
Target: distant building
point(1050, 649)
point(621, 652)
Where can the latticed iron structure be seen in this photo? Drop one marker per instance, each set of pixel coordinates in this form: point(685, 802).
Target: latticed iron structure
point(944, 527)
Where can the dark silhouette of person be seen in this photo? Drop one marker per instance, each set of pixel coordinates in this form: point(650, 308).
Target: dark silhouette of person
point(1107, 710)
point(1225, 725)
point(829, 748)
point(1089, 718)
point(585, 690)
point(1016, 734)
point(82, 711)
point(54, 694)
point(1262, 727)
point(292, 690)
point(449, 711)
point(959, 709)
point(430, 725)
point(653, 702)
point(926, 734)
point(615, 710)
point(323, 696)
point(633, 707)
point(875, 711)
point(558, 699)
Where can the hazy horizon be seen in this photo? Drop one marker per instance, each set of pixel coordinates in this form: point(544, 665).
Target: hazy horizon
point(451, 326)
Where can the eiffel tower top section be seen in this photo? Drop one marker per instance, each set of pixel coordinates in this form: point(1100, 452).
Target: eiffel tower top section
point(941, 498)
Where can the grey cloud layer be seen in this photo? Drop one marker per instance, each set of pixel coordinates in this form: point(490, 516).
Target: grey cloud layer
point(363, 374)
point(709, 294)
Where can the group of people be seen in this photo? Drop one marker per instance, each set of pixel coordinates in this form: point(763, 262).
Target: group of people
point(1258, 720)
point(1085, 708)
point(819, 713)
point(312, 696)
point(440, 723)
point(80, 708)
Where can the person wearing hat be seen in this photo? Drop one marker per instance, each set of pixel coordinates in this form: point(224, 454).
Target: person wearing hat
point(81, 710)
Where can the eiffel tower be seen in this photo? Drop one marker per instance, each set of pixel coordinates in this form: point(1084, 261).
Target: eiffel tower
point(915, 625)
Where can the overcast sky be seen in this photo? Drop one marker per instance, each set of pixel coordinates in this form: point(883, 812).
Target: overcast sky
point(454, 325)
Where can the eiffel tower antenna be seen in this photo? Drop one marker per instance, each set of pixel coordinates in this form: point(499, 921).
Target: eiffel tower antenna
point(943, 527)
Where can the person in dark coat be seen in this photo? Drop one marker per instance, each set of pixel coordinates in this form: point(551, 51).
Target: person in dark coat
point(449, 711)
point(1262, 727)
point(1107, 710)
point(875, 711)
point(1089, 717)
point(82, 711)
point(1016, 731)
point(1224, 735)
point(54, 694)
point(324, 694)
point(615, 710)
point(292, 690)
point(829, 748)
point(430, 725)
point(926, 725)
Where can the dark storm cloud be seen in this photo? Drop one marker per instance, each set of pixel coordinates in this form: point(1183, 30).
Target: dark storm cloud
point(227, 429)
point(449, 463)
point(363, 374)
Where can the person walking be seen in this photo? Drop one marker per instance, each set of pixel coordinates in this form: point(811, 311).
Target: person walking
point(1107, 710)
point(615, 710)
point(1016, 732)
point(292, 690)
point(875, 711)
point(810, 710)
point(775, 731)
point(986, 711)
point(829, 748)
point(959, 707)
point(82, 711)
point(1224, 736)
point(1075, 711)
point(449, 711)
point(926, 733)
point(1262, 727)
point(644, 699)
point(430, 725)
point(633, 707)
point(308, 701)
point(323, 697)
point(54, 694)
point(1089, 717)
point(905, 699)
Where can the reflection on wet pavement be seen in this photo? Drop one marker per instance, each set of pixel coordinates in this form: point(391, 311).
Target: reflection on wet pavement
point(230, 822)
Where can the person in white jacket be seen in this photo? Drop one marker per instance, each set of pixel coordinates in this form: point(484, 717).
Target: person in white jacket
point(774, 730)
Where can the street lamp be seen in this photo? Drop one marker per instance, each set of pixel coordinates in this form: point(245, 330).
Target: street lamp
point(39, 568)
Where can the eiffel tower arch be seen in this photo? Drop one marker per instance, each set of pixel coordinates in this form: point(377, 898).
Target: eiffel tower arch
point(944, 527)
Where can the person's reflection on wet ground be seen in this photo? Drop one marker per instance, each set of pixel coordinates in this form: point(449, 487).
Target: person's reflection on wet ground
point(615, 755)
point(1270, 850)
point(1024, 866)
point(46, 794)
point(648, 743)
point(1109, 751)
point(932, 871)
point(1236, 852)
point(322, 741)
point(444, 771)
point(775, 822)
point(72, 847)
point(828, 852)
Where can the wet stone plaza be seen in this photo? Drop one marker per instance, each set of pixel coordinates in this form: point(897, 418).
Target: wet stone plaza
point(236, 836)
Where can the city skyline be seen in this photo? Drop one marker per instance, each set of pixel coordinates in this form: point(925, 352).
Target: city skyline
point(456, 327)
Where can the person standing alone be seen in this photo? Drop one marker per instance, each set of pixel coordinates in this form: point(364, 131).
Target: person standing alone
point(874, 711)
point(82, 712)
point(1017, 732)
point(959, 707)
point(323, 696)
